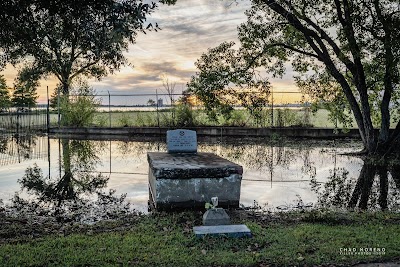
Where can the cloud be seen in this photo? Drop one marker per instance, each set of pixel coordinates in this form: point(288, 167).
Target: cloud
point(145, 77)
point(185, 29)
point(189, 28)
point(165, 68)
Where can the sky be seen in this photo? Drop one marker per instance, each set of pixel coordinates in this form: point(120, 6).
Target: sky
point(188, 29)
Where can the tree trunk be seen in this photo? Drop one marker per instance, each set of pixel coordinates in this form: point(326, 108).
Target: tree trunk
point(65, 86)
point(395, 172)
point(65, 189)
point(384, 187)
point(66, 155)
point(363, 187)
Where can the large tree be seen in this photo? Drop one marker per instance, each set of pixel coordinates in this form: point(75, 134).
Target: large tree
point(70, 38)
point(341, 49)
point(226, 79)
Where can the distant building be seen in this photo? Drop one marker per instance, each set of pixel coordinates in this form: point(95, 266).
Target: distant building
point(160, 102)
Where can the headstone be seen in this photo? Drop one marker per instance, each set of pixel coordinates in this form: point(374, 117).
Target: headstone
point(236, 231)
point(216, 216)
point(181, 141)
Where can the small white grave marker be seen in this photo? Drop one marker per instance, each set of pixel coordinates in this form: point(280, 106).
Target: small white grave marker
point(181, 141)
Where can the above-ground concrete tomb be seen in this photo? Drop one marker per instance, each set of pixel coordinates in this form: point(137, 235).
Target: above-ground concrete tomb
point(189, 180)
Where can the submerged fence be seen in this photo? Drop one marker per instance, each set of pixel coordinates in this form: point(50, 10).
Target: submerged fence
point(19, 148)
point(18, 129)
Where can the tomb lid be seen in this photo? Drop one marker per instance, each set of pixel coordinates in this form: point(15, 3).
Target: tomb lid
point(186, 166)
point(181, 141)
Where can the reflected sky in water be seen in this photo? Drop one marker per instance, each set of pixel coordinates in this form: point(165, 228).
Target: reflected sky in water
point(277, 173)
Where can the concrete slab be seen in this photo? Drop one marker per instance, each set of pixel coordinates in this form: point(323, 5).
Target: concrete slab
point(232, 230)
point(187, 165)
point(190, 180)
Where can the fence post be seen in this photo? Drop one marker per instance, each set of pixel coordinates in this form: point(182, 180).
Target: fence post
point(48, 111)
point(109, 108)
point(58, 107)
point(18, 121)
point(29, 117)
point(158, 117)
point(272, 107)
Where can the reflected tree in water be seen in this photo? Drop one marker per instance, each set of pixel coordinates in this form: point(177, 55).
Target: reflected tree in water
point(3, 144)
point(138, 149)
point(308, 167)
point(255, 154)
point(78, 190)
point(25, 144)
point(80, 157)
point(259, 155)
point(376, 188)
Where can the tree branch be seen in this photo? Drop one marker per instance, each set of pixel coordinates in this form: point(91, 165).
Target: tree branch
point(389, 75)
point(395, 134)
point(323, 53)
point(323, 35)
point(358, 71)
point(296, 50)
point(83, 69)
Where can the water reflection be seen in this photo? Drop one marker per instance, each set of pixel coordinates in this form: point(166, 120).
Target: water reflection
point(376, 188)
point(77, 190)
point(89, 179)
point(16, 148)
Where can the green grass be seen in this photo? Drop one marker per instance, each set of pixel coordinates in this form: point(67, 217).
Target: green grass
point(164, 118)
point(167, 240)
point(239, 118)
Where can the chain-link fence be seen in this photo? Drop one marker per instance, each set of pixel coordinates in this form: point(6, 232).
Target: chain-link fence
point(281, 109)
point(23, 120)
point(18, 129)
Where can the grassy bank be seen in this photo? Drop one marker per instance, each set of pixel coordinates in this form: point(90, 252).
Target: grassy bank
point(239, 118)
point(311, 238)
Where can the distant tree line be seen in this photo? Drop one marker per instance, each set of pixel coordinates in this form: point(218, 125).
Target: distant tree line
point(22, 95)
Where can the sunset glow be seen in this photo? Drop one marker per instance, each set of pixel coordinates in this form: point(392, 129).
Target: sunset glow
point(189, 28)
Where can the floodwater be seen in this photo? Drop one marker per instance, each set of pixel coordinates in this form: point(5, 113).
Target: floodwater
point(278, 174)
